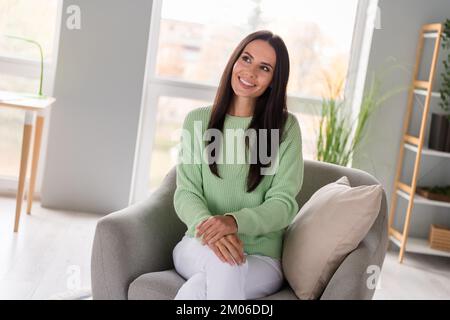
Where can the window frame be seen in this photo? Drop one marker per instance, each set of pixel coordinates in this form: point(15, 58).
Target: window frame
point(156, 86)
point(30, 68)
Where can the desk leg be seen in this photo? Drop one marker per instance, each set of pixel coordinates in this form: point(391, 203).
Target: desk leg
point(27, 129)
point(35, 160)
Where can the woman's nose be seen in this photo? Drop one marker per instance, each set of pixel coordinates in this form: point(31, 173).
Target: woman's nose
point(251, 72)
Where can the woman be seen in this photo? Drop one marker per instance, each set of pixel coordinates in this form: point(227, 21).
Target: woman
point(236, 213)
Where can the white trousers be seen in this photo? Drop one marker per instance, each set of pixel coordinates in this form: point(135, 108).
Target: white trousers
point(208, 278)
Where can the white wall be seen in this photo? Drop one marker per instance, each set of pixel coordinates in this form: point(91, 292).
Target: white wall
point(94, 121)
point(401, 21)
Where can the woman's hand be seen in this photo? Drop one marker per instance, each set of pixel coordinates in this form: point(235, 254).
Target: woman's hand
point(215, 228)
point(229, 249)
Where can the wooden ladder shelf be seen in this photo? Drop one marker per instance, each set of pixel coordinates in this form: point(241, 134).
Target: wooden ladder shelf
point(427, 31)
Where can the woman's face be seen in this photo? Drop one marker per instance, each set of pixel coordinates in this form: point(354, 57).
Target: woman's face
point(253, 70)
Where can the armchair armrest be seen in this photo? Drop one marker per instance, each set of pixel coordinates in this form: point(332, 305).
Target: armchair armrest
point(135, 240)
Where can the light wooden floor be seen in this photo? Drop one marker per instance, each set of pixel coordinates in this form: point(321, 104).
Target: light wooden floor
point(43, 259)
point(47, 254)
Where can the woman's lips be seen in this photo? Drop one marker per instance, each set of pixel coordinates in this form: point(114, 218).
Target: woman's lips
point(245, 84)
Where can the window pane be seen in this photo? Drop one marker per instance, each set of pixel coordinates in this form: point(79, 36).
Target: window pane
point(18, 84)
point(11, 125)
point(194, 44)
point(11, 131)
point(32, 19)
point(308, 125)
point(169, 122)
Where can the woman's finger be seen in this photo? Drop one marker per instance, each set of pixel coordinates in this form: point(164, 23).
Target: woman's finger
point(214, 237)
point(228, 246)
point(217, 252)
point(209, 235)
point(204, 225)
point(225, 253)
point(238, 244)
point(235, 240)
point(204, 229)
point(213, 230)
point(233, 251)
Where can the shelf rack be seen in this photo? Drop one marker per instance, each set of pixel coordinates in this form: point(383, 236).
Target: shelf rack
point(415, 144)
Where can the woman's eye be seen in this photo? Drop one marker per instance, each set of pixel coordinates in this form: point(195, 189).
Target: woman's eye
point(265, 68)
point(246, 59)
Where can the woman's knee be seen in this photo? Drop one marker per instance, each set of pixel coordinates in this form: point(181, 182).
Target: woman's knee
point(224, 281)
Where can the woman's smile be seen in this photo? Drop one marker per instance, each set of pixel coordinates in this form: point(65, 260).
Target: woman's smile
point(246, 84)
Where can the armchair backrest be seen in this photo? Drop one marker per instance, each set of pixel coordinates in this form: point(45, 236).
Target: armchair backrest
point(317, 174)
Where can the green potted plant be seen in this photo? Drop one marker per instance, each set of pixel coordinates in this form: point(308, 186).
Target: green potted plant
point(335, 142)
point(39, 95)
point(439, 138)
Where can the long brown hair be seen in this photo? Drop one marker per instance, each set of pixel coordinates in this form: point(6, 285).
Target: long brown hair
point(270, 109)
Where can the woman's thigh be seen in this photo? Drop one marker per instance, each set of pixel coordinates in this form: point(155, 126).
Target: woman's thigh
point(263, 276)
point(258, 277)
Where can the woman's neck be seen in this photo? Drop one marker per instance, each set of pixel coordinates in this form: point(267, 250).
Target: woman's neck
point(242, 107)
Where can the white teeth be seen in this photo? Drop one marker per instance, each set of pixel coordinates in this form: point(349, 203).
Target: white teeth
point(246, 83)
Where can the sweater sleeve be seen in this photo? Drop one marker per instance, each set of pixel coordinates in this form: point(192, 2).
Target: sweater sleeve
point(279, 207)
point(189, 201)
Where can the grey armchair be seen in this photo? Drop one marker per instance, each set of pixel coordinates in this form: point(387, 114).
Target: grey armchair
point(132, 250)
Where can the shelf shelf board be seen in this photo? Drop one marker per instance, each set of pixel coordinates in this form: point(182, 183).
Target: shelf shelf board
point(424, 92)
point(421, 200)
point(430, 35)
point(417, 245)
point(427, 151)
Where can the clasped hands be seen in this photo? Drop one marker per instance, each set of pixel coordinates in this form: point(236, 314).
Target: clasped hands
point(220, 234)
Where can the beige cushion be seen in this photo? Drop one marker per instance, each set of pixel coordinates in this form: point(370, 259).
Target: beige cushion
point(328, 227)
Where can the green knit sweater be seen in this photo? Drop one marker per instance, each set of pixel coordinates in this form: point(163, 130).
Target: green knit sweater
point(261, 215)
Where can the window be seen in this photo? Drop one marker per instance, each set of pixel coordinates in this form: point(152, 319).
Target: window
point(192, 41)
point(11, 126)
point(30, 19)
point(194, 45)
point(19, 66)
point(169, 122)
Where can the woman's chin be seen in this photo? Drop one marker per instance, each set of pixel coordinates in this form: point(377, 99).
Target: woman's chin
point(244, 94)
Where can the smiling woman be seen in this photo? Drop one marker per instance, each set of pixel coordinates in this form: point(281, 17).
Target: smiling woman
point(240, 211)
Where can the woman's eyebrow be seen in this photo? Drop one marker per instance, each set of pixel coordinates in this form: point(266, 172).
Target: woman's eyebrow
point(265, 63)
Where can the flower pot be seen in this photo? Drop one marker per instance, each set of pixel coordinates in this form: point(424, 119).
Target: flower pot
point(439, 129)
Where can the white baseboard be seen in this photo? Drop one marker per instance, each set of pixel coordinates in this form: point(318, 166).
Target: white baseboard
point(9, 187)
